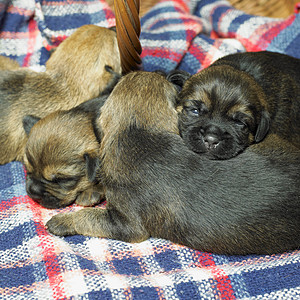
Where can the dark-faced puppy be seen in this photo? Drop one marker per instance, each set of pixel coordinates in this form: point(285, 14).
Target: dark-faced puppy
point(155, 186)
point(78, 70)
point(238, 100)
point(62, 157)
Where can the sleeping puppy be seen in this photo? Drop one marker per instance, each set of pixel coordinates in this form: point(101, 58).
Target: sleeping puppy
point(238, 101)
point(156, 187)
point(62, 156)
point(78, 70)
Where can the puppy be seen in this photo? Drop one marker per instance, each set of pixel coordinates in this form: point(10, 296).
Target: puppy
point(156, 187)
point(8, 64)
point(78, 70)
point(62, 156)
point(238, 100)
point(59, 139)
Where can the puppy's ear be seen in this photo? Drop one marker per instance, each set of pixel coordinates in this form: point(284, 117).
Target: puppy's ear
point(263, 126)
point(91, 106)
point(178, 77)
point(115, 79)
point(92, 166)
point(28, 122)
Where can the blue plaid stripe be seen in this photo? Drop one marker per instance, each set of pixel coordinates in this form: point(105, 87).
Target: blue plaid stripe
point(35, 265)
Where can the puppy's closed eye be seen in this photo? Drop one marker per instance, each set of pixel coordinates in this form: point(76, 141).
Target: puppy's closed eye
point(68, 182)
point(242, 121)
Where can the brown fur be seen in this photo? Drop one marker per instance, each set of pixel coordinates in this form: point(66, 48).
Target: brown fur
point(62, 141)
point(8, 64)
point(59, 152)
point(155, 186)
point(117, 114)
point(74, 73)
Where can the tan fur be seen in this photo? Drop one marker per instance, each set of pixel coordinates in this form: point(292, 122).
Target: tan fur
point(81, 59)
point(118, 109)
point(8, 64)
point(74, 73)
point(142, 99)
point(55, 150)
point(276, 147)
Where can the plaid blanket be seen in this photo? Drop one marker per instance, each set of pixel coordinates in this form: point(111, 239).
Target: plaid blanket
point(183, 34)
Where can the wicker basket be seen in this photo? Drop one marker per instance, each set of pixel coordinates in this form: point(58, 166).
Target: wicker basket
point(128, 13)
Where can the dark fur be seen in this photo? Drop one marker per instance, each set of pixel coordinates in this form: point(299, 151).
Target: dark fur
point(79, 69)
point(62, 157)
point(238, 100)
point(156, 187)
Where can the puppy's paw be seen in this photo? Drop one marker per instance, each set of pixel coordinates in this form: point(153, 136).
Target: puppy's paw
point(90, 197)
point(61, 224)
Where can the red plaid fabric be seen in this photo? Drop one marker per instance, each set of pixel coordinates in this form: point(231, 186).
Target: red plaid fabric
point(36, 265)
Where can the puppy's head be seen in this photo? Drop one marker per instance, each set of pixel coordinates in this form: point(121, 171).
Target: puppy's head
point(221, 112)
point(61, 158)
point(81, 60)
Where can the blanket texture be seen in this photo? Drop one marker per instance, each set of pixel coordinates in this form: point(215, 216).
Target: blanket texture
point(183, 34)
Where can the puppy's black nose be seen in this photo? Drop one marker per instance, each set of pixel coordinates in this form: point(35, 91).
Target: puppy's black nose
point(211, 141)
point(35, 191)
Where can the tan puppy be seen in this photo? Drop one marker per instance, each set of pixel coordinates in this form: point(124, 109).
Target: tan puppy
point(8, 64)
point(62, 156)
point(155, 186)
point(78, 70)
point(61, 153)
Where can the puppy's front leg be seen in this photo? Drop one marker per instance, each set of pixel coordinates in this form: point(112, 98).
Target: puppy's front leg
point(91, 196)
point(98, 222)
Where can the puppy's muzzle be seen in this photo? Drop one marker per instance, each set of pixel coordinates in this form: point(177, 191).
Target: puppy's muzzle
point(34, 189)
point(37, 192)
point(211, 136)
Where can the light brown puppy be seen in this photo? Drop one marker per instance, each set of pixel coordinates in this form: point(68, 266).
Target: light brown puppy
point(8, 64)
point(78, 70)
point(62, 156)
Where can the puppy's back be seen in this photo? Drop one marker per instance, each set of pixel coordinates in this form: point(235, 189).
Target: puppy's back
point(249, 204)
point(263, 63)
